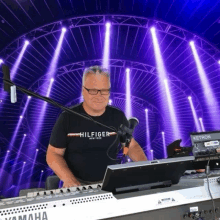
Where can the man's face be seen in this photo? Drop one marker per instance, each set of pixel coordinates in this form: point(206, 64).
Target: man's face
point(96, 102)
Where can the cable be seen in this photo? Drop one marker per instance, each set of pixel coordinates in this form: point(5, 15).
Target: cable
point(113, 141)
point(65, 109)
point(207, 172)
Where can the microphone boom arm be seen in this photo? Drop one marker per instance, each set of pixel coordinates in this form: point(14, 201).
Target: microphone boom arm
point(8, 83)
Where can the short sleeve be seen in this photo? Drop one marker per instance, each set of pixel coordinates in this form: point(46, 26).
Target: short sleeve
point(58, 136)
point(125, 120)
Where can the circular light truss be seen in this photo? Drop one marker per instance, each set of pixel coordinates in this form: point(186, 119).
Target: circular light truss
point(121, 20)
point(138, 101)
point(116, 20)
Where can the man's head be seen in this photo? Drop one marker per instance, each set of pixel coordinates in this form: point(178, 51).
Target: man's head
point(96, 78)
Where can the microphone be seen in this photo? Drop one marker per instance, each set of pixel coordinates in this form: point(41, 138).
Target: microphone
point(126, 133)
point(7, 87)
point(133, 122)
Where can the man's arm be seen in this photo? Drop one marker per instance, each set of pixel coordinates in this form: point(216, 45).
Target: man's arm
point(135, 151)
point(57, 163)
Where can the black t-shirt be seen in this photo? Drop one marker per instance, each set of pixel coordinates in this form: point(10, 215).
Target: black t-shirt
point(86, 142)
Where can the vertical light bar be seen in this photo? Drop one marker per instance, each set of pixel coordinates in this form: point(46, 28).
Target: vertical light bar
point(18, 154)
point(201, 124)
point(159, 59)
point(32, 167)
point(148, 144)
point(196, 121)
point(15, 67)
point(110, 102)
point(43, 110)
point(53, 64)
point(39, 184)
point(172, 112)
point(209, 97)
point(18, 61)
point(50, 75)
point(19, 123)
point(152, 154)
point(164, 145)
point(106, 46)
point(19, 180)
point(128, 110)
point(164, 85)
point(3, 164)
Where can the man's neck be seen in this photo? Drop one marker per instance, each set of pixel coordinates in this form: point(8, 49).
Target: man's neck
point(91, 112)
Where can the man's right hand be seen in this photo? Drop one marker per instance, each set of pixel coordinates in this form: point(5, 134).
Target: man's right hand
point(70, 183)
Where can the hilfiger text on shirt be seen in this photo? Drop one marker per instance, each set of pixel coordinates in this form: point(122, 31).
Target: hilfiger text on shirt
point(92, 135)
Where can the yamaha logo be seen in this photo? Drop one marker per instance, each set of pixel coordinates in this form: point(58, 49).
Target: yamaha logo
point(35, 216)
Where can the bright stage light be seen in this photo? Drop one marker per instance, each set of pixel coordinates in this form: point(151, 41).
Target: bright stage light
point(8, 151)
point(50, 75)
point(172, 112)
point(209, 95)
point(29, 97)
point(148, 142)
point(106, 52)
point(191, 43)
point(16, 65)
point(27, 42)
point(219, 62)
point(25, 135)
point(167, 104)
point(19, 123)
point(128, 95)
point(152, 29)
point(108, 24)
point(152, 154)
point(164, 145)
point(1, 61)
point(42, 171)
point(19, 180)
point(189, 97)
point(128, 70)
point(198, 129)
point(201, 124)
point(18, 154)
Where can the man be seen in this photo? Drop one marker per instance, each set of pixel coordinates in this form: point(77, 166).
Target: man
point(77, 147)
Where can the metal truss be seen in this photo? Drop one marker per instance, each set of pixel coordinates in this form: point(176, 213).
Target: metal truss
point(117, 20)
point(80, 66)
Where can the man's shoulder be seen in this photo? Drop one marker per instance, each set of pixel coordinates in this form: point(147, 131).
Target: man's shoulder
point(75, 108)
point(115, 110)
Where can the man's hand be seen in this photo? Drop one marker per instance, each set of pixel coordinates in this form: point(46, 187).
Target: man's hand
point(200, 170)
point(70, 183)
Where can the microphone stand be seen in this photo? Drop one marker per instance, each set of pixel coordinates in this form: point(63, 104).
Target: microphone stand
point(8, 83)
point(125, 134)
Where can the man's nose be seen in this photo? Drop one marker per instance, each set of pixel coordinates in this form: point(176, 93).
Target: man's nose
point(99, 93)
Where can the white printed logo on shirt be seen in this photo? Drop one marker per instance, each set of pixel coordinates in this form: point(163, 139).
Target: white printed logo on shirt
point(92, 135)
